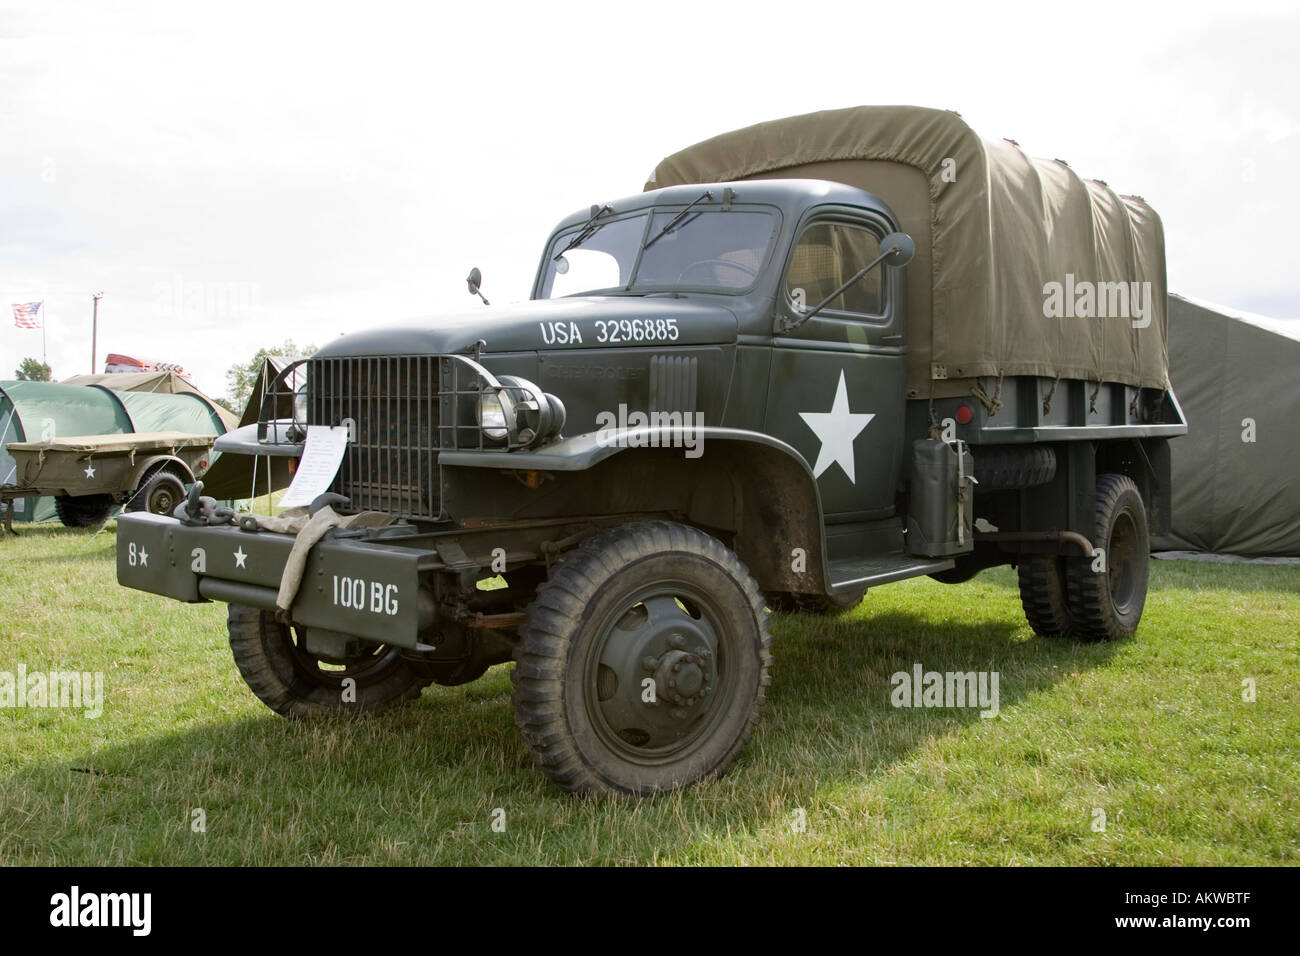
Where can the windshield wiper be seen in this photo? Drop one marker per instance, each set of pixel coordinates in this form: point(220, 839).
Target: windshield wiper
point(676, 220)
point(589, 229)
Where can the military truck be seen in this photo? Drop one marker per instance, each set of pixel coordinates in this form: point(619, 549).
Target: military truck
point(814, 357)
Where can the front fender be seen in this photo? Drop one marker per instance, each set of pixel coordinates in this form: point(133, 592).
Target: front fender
point(145, 466)
point(746, 485)
point(582, 452)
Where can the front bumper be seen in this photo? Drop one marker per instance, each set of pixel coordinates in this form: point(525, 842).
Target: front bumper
point(369, 589)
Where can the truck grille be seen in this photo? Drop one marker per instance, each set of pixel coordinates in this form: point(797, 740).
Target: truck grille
point(392, 404)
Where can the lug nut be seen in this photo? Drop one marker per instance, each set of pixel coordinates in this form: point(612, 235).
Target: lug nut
point(676, 640)
point(650, 663)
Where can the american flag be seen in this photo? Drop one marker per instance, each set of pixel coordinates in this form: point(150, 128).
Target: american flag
point(28, 315)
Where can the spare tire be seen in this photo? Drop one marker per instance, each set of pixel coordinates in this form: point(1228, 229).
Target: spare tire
point(1005, 468)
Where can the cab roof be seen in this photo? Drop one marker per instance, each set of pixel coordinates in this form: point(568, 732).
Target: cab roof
point(790, 196)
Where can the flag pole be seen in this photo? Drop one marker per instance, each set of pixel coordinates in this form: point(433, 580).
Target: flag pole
point(45, 320)
point(94, 329)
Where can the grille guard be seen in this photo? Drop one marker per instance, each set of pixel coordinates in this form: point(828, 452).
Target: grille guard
point(400, 411)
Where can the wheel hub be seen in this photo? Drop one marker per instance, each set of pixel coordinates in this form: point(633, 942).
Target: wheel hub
point(684, 678)
point(657, 668)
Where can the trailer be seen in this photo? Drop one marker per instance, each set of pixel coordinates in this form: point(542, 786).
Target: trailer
point(89, 475)
point(147, 424)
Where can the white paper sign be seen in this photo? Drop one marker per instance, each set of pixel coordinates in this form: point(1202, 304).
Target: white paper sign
point(319, 464)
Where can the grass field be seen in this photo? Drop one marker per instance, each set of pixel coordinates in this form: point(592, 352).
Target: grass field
point(1154, 732)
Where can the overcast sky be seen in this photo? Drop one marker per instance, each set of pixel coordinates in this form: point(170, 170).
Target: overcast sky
point(234, 175)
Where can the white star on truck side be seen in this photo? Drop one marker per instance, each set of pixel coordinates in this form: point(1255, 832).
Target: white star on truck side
point(836, 430)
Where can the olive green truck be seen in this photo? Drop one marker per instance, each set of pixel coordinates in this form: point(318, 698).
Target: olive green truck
point(813, 356)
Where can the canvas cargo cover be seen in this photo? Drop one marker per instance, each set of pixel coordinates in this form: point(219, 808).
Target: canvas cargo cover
point(992, 228)
point(114, 444)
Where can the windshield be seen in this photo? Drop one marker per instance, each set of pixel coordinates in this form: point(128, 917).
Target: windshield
point(708, 249)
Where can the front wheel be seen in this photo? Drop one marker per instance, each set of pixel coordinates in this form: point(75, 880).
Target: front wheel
point(643, 662)
point(294, 683)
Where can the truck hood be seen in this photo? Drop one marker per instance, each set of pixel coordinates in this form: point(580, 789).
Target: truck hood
point(586, 322)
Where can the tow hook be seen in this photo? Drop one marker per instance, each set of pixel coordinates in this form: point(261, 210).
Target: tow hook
point(198, 510)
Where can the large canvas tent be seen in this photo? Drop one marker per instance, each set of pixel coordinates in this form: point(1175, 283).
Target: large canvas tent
point(1236, 474)
point(992, 228)
point(168, 383)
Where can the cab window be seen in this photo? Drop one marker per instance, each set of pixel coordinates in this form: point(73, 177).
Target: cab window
point(826, 256)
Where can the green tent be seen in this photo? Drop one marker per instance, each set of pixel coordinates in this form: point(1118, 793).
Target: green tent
point(1236, 488)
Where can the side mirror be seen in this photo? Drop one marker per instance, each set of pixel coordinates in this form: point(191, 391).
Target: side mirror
point(475, 280)
point(897, 249)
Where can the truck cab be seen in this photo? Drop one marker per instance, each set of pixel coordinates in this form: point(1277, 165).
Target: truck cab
point(763, 255)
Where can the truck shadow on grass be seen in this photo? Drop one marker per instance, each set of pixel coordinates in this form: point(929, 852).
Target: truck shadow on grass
point(832, 711)
point(417, 785)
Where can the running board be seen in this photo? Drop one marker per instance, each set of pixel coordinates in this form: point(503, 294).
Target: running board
point(849, 574)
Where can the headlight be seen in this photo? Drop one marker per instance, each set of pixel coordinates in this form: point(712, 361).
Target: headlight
point(492, 416)
point(538, 416)
point(517, 413)
point(300, 405)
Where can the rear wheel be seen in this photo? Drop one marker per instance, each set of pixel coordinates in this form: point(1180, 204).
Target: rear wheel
point(292, 682)
point(1042, 594)
point(1106, 594)
point(643, 662)
point(83, 511)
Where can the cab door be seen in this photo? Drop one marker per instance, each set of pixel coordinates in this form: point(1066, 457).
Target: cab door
point(836, 388)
